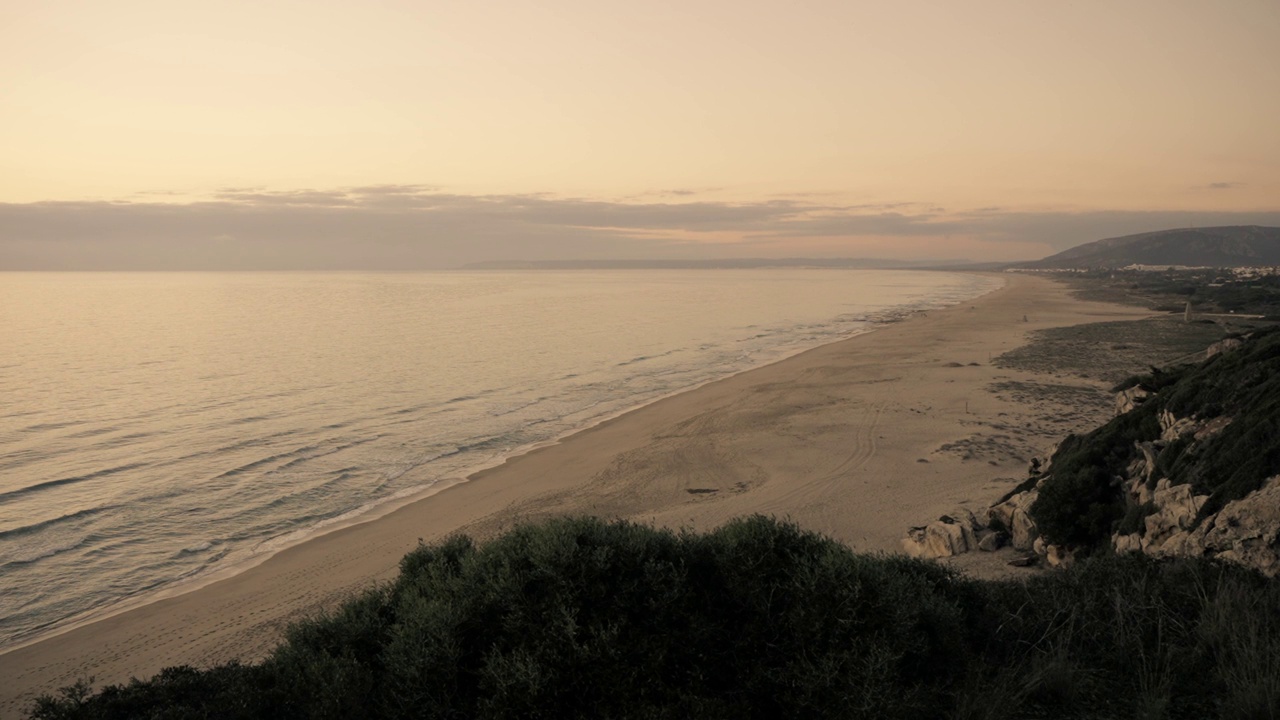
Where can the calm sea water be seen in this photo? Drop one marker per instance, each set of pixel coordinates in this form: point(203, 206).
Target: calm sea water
point(158, 426)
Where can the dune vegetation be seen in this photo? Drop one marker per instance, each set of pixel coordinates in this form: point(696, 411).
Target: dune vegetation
point(581, 617)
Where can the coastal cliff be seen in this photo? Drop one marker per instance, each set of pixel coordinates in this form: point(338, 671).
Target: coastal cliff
point(1188, 467)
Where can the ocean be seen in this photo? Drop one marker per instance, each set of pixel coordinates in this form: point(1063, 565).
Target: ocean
point(157, 427)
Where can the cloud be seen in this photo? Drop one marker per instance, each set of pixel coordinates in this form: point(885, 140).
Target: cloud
point(1224, 185)
point(676, 193)
point(405, 227)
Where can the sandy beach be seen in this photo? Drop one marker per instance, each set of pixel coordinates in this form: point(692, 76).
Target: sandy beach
point(858, 439)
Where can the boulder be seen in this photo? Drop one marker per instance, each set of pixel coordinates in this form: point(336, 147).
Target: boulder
point(1131, 398)
point(1127, 543)
point(1246, 531)
point(1179, 544)
point(1212, 427)
point(1058, 556)
point(1146, 465)
point(951, 534)
point(1014, 515)
point(1024, 530)
point(1172, 427)
point(992, 541)
point(1222, 346)
point(1176, 510)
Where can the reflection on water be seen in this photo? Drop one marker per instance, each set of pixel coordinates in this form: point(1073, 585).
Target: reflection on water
point(155, 425)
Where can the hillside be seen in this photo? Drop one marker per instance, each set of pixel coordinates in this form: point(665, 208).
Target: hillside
point(704, 264)
point(1189, 467)
point(1230, 246)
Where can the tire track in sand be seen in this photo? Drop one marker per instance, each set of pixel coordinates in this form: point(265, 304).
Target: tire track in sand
point(810, 493)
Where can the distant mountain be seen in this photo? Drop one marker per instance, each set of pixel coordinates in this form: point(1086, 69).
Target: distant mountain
point(866, 263)
point(1230, 246)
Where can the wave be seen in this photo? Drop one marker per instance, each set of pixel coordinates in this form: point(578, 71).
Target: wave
point(50, 484)
point(499, 412)
point(253, 465)
point(193, 549)
point(45, 427)
point(642, 358)
point(264, 495)
point(291, 457)
point(48, 552)
point(93, 432)
point(328, 451)
point(38, 526)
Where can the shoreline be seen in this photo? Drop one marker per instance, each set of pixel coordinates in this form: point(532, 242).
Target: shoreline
point(374, 511)
point(771, 438)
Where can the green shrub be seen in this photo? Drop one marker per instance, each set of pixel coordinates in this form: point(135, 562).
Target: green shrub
point(1081, 501)
point(582, 618)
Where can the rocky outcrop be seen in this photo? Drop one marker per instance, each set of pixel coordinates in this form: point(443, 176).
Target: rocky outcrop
point(1145, 466)
point(1172, 427)
point(993, 541)
point(1206, 430)
point(1223, 346)
point(1246, 531)
point(1131, 398)
point(951, 534)
point(1014, 517)
point(1163, 514)
point(1167, 531)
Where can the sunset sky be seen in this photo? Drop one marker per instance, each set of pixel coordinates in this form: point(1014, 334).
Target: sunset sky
point(400, 135)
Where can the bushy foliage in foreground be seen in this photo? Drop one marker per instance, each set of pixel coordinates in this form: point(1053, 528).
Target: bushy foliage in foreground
point(583, 618)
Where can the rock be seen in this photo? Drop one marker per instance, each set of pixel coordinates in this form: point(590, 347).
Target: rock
point(1014, 514)
point(951, 534)
point(1000, 516)
point(1127, 543)
point(1148, 461)
point(1172, 427)
point(1176, 510)
point(1058, 556)
point(1141, 493)
point(993, 541)
point(1131, 398)
point(1179, 544)
point(1027, 560)
point(1246, 531)
point(1024, 530)
point(1208, 429)
point(961, 516)
point(1222, 346)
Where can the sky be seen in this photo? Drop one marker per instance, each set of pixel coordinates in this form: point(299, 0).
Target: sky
point(139, 134)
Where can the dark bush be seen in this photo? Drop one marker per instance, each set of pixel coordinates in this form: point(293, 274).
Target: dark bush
point(1081, 500)
point(582, 618)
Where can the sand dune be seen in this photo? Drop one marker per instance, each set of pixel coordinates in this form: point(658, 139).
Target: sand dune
point(857, 439)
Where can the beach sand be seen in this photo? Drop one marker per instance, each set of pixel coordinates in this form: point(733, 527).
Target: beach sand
point(858, 439)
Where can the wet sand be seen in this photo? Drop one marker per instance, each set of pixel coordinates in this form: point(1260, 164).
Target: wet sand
point(858, 439)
